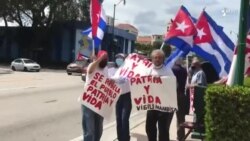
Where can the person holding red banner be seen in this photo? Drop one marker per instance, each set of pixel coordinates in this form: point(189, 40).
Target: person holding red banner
point(92, 123)
point(163, 119)
point(124, 104)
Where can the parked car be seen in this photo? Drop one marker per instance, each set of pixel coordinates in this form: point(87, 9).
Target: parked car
point(84, 70)
point(24, 64)
point(78, 66)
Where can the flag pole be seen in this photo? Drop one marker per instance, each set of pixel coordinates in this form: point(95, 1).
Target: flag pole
point(162, 45)
point(93, 49)
point(242, 42)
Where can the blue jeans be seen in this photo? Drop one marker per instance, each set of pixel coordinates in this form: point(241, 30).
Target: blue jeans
point(92, 125)
point(123, 110)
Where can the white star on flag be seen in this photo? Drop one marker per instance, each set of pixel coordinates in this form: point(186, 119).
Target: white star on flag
point(201, 33)
point(181, 26)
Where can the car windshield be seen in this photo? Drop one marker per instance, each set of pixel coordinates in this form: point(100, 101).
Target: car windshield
point(28, 61)
point(81, 63)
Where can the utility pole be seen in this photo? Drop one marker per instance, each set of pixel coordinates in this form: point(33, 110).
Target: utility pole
point(113, 35)
point(113, 50)
point(239, 78)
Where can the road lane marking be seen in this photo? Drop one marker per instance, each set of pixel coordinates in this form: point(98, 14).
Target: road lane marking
point(50, 101)
point(7, 89)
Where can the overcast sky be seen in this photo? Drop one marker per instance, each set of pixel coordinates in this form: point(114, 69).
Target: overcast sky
point(152, 16)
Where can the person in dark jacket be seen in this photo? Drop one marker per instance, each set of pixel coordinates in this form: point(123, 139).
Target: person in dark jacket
point(182, 100)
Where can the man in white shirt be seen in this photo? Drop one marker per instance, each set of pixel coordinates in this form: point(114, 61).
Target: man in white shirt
point(153, 117)
point(92, 123)
point(198, 76)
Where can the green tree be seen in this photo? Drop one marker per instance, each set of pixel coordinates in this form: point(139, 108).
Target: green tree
point(4, 11)
point(166, 48)
point(43, 13)
point(143, 48)
point(157, 45)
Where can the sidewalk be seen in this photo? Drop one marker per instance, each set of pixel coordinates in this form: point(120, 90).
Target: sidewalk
point(138, 133)
point(137, 130)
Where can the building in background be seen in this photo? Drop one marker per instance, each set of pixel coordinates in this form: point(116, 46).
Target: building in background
point(59, 44)
point(157, 39)
point(128, 27)
point(110, 20)
point(150, 40)
point(123, 42)
point(145, 40)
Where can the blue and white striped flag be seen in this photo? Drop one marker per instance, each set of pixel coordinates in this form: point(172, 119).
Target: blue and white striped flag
point(213, 45)
point(100, 30)
point(178, 53)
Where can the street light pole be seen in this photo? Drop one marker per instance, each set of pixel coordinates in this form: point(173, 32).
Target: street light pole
point(241, 42)
point(113, 34)
point(113, 29)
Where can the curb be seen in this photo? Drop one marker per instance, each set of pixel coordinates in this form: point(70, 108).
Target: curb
point(5, 71)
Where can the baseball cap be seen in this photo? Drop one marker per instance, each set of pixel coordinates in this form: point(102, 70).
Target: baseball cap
point(120, 55)
point(100, 53)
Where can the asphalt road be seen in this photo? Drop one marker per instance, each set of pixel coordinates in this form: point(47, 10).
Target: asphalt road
point(43, 106)
point(39, 106)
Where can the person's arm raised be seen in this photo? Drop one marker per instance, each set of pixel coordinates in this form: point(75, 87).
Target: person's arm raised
point(95, 63)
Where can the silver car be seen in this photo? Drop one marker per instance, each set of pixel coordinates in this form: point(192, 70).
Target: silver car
point(23, 64)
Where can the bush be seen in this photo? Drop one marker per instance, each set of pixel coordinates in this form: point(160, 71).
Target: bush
point(227, 113)
point(247, 81)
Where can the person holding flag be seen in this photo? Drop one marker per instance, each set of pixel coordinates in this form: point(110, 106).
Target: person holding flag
point(163, 119)
point(180, 34)
point(92, 123)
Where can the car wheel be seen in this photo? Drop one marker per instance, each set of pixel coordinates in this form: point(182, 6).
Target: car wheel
point(69, 73)
point(13, 68)
point(37, 70)
point(25, 69)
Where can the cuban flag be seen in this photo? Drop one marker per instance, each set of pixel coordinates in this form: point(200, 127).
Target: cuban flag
point(231, 76)
point(98, 22)
point(247, 55)
point(80, 56)
point(87, 32)
point(213, 45)
point(181, 30)
point(178, 53)
point(180, 35)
